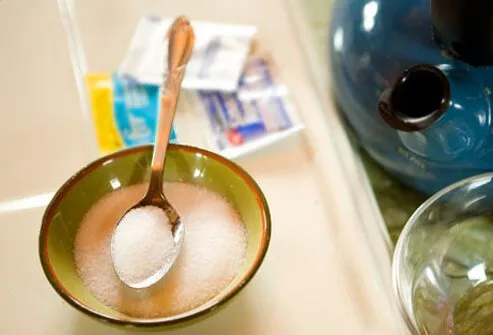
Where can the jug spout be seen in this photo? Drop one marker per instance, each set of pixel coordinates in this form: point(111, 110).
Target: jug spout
point(418, 98)
point(441, 113)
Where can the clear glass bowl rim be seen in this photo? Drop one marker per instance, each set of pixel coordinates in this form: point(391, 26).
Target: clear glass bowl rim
point(397, 261)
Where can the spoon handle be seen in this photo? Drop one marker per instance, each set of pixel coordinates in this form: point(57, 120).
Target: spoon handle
point(181, 41)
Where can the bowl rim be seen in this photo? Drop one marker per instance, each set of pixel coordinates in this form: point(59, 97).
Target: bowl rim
point(408, 227)
point(187, 316)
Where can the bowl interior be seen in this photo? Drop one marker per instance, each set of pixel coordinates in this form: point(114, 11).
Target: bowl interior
point(186, 164)
point(443, 262)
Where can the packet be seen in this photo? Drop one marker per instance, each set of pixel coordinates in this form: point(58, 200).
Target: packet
point(258, 114)
point(216, 63)
point(124, 112)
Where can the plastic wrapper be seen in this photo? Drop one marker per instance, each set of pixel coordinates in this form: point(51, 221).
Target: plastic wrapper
point(124, 112)
point(258, 114)
point(216, 63)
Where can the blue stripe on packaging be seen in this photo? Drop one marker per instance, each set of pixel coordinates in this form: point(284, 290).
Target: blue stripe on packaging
point(209, 55)
point(135, 109)
point(270, 82)
point(225, 109)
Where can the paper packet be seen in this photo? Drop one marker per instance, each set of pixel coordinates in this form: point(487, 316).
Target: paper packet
point(257, 115)
point(216, 63)
point(124, 112)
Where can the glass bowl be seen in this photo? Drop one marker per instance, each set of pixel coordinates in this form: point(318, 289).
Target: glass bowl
point(443, 262)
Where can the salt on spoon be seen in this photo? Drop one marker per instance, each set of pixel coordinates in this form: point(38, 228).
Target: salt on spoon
point(149, 236)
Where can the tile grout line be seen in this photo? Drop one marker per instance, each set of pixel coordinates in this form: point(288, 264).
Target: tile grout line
point(78, 59)
point(35, 201)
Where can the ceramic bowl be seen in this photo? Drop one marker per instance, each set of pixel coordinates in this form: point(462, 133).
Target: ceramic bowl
point(64, 214)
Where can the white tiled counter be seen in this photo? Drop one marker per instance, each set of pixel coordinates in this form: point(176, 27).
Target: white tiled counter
point(327, 269)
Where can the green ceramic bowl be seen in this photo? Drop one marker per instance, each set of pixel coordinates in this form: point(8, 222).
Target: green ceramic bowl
point(65, 212)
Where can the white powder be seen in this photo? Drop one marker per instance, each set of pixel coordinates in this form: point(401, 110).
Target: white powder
point(212, 253)
point(142, 243)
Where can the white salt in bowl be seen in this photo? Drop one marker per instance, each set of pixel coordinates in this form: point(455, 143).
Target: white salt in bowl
point(63, 216)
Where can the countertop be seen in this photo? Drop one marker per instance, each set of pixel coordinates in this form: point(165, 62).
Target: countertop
point(396, 201)
point(328, 266)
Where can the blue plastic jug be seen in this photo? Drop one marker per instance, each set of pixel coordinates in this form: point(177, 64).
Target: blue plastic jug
point(414, 80)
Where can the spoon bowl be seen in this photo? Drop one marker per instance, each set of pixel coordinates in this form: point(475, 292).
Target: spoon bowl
point(178, 232)
point(181, 40)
